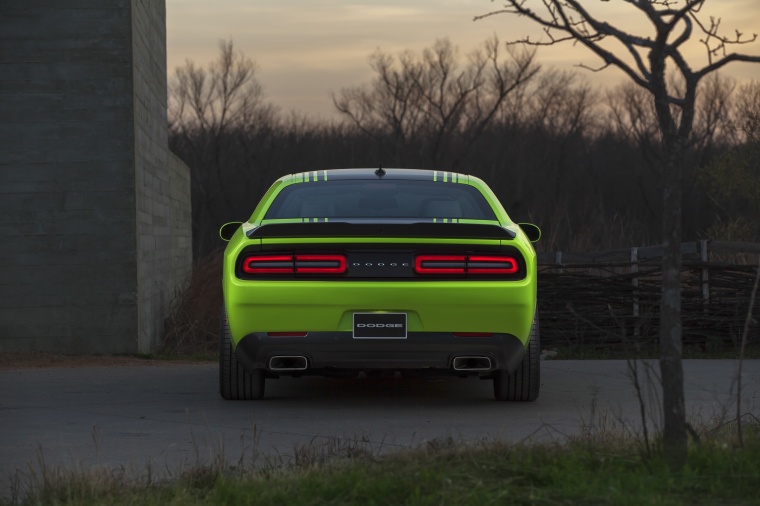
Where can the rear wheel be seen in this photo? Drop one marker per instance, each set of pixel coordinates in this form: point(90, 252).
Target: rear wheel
point(524, 383)
point(235, 381)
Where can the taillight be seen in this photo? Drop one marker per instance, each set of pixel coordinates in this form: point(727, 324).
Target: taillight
point(499, 265)
point(491, 265)
point(294, 264)
point(268, 264)
point(440, 264)
point(320, 264)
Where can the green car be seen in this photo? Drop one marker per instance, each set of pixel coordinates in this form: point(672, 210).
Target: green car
point(379, 271)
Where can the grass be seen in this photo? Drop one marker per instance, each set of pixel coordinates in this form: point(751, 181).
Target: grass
point(590, 469)
point(192, 327)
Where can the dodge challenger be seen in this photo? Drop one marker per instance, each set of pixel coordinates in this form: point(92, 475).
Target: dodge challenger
point(379, 271)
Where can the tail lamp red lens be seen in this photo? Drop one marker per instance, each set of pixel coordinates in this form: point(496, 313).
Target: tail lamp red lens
point(440, 264)
point(492, 265)
point(503, 265)
point(294, 264)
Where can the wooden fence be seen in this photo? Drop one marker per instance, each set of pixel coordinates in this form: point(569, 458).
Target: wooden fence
point(611, 299)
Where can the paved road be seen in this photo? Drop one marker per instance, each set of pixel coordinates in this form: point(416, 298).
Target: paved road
point(171, 415)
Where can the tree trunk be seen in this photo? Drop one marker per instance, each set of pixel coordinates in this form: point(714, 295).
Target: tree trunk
point(671, 368)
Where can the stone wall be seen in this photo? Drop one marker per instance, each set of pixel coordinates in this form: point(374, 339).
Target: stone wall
point(85, 184)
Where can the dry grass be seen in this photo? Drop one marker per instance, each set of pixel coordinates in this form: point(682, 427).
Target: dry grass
point(598, 467)
point(192, 327)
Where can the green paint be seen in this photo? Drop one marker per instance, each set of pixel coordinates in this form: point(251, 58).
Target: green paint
point(323, 305)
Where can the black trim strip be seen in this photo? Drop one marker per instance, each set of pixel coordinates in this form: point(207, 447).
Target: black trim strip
point(380, 229)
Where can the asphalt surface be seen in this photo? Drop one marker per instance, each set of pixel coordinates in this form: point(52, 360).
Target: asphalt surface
point(170, 417)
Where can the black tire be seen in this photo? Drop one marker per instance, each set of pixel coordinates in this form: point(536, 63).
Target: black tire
point(235, 381)
point(524, 384)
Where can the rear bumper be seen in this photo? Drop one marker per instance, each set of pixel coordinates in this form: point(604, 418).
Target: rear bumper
point(420, 350)
point(257, 307)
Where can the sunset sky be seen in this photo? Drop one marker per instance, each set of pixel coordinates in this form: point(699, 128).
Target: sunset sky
point(307, 48)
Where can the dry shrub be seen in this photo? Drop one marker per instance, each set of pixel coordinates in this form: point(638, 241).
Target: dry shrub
point(193, 324)
point(600, 232)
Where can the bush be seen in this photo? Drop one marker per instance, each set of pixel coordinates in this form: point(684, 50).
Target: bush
point(192, 327)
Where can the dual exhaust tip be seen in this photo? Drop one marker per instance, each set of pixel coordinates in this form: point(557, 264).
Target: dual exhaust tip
point(300, 363)
point(288, 363)
point(472, 363)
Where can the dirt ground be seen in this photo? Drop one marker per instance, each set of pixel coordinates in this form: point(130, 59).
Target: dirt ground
point(35, 360)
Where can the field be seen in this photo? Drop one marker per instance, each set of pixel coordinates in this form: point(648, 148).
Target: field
point(596, 468)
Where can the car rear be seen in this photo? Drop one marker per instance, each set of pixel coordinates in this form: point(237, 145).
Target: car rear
point(345, 271)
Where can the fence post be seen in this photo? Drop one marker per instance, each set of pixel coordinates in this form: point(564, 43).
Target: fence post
point(635, 284)
point(704, 256)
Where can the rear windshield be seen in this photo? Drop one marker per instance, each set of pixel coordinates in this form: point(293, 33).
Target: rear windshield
point(380, 199)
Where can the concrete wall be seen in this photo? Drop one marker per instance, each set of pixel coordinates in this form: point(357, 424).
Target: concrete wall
point(152, 174)
point(181, 223)
point(85, 206)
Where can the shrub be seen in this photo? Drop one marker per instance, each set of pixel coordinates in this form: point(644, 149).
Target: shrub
point(192, 327)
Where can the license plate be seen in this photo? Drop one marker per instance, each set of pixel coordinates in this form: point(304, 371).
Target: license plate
point(379, 325)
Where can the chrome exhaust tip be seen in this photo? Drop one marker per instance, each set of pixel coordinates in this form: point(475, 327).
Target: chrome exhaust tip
point(288, 363)
point(472, 363)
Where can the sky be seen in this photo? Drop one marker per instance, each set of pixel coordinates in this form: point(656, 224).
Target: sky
point(306, 49)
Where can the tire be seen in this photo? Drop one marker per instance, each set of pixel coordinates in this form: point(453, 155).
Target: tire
point(524, 384)
point(235, 381)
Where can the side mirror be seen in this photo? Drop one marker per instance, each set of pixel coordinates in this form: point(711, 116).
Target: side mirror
point(531, 230)
point(228, 230)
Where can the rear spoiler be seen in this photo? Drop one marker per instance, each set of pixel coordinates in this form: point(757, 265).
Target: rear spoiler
point(412, 229)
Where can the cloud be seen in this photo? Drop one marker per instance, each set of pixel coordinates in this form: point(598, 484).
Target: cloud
point(306, 48)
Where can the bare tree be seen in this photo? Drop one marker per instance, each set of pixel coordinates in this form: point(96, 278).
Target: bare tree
point(644, 59)
point(213, 113)
point(746, 114)
point(563, 108)
point(732, 178)
point(632, 114)
point(427, 101)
